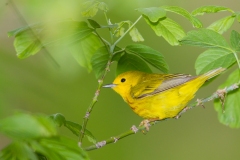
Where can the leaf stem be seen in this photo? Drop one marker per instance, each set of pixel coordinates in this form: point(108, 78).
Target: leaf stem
point(134, 129)
point(235, 54)
point(120, 38)
point(110, 30)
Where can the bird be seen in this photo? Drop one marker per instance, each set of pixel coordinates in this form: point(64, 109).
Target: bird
point(155, 96)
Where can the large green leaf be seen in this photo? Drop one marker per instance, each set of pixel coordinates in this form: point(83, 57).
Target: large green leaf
point(153, 13)
point(84, 50)
point(205, 38)
point(99, 61)
point(37, 126)
point(222, 25)
point(235, 40)
point(209, 9)
point(214, 58)
point(150, 55)
point(131, 62)
point(181, 11)
point(171, 31)
point(231, 114)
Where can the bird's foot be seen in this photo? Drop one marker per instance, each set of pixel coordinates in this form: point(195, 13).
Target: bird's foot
point(146, 123)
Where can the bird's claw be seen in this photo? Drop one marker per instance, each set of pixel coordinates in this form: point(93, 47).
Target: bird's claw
point(146, 124)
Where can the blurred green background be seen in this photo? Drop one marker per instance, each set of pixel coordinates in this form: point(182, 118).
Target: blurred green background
point(52, 82)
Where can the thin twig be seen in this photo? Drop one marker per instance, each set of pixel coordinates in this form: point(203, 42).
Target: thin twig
point(119, 39)
point(94, 100)
point(134, 129)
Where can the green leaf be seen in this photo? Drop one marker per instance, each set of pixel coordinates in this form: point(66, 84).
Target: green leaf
point(93, 7)
point(136, 36)
point(18, 151)
point(37, 126)
point(222, 25)
point(76, 128)
point(31, 39)
point(103, 6)
point(181, 11)
point(210, 9)
point(171, 31)
point(47, 152)
point(205, 38)
point(91, 11)
point(118, 55)
point(94, 24)
point(231, 114)
point(99, 61)
point(58, 119)
point(153, 13)
point(119, 31)
point(59, 148)
point(214, 58)
point(27, 44)
point(84, 50)
point(150, 55)
point(130, 62)
point(235, 40)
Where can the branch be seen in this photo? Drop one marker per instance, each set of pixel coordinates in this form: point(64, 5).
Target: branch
point(94, 100)
point(135, 129)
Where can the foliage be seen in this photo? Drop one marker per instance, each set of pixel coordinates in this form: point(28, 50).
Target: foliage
point(39, 138)
point(36, 140)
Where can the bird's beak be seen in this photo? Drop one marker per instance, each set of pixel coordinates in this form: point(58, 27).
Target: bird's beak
point(109, 85)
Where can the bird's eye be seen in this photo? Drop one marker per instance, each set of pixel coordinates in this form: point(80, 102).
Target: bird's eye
point(123, 80)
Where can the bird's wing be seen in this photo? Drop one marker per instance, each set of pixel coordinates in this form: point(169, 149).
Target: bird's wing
point(152, 86)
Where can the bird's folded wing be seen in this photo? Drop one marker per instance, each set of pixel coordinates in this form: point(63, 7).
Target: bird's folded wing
point(154, 86)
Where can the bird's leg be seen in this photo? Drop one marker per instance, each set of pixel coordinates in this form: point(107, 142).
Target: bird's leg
point(146, 122)
point(222, 95)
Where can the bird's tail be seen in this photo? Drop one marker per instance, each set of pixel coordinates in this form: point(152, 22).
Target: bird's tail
point(213, 73)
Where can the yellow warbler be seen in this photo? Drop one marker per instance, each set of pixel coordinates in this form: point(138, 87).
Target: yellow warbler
point(158, 96)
